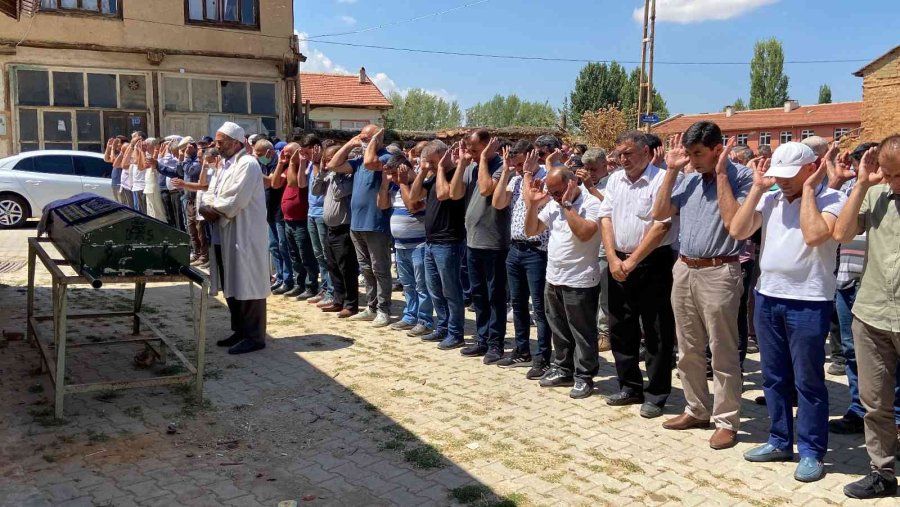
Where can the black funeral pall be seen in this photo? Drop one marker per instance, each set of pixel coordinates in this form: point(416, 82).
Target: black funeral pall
point(102, 238)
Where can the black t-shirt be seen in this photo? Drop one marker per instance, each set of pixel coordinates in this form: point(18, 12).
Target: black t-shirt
point(445, 221)
point(273, 198)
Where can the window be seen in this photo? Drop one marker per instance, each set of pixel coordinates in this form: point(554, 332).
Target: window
point(133, 91)
point(102, 90)
point(205, 95)
point(33, 87)
point(53, 164)
point(839, 133)
point(806, 134)
point(786, 136)
point(234, 97)
point(25, 164)
point(92, 167)
point(68, 89)
point(742, 139)
point(765, 138)
point(725, 139)
point(262, 98)
point(177, 96)
point(100, 7)
point(57, 126)
point(354, 124)
point(88, 124)
point(231, 13)
point(28, 125)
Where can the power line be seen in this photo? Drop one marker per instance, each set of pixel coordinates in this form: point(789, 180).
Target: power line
point(569, 60)
point(394, 23)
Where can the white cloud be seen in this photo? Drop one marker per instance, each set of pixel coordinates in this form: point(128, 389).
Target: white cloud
point(693, 11)
point(350, 20)
point(317, 61)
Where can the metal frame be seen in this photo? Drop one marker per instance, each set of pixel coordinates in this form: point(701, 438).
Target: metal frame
point(159, 346)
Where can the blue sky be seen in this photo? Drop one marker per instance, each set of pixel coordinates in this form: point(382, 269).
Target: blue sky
point(687, 30)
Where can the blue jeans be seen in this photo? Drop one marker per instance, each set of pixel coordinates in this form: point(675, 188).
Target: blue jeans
point(317, 230)
point(487, 276)
point(411, 270)
point(305, 266)
point(791, 335)
point(526, 269)
point(464, 274)
point(442, 267)
point(281, 255)
point(844, 299)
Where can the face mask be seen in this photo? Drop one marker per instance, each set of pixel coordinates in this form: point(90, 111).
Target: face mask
point(264, 160)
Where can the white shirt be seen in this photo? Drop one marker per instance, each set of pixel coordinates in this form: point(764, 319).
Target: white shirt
point(789, 268)
point(630, 205)
point(570, 261)
point(138, 178)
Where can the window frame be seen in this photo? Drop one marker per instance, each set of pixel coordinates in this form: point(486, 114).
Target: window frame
point(81, 11)
point(768, 136)
point(220, 22)
point(807, 133)
point(785, 133)
point(742, 139)
point(840, 132)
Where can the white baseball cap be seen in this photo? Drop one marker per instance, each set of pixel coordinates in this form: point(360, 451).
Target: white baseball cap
point(789, 158)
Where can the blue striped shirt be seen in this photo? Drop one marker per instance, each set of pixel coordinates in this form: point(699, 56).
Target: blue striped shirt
point(408, 229)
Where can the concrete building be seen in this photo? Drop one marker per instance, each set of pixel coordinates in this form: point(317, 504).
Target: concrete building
point(343, 102)
point(80, 71)
point(881, 96)
point(774, 126)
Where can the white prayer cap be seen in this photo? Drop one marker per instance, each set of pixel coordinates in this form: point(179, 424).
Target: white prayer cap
point(173, 138)
point(232, 130)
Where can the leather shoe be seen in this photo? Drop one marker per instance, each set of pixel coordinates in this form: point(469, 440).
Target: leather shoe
point(346, 314)
point(332, 308)
point(231, 341)
point(624, 398)
point(685, 422)
point(246, 346)
point(723, 438)
point(768, 453)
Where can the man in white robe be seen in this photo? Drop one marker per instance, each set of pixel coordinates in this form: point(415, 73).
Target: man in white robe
point(235, 206)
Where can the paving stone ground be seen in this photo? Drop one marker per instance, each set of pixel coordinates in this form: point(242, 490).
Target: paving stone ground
point(334, 413)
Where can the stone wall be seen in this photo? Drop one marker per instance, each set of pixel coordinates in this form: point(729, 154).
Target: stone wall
point(881, 100)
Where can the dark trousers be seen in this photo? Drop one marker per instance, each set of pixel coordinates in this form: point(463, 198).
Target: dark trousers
point(643, 300)
point(166, 197)
point(487, 277)
point(248, 317)
point(748, 274)
point(197, 231)
point(572, 315)
point(791, 336)
point(526, 269)
point(340, 254)
point(306, 269)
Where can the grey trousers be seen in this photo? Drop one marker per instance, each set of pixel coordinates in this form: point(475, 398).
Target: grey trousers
point(373, 251)
point(570, 313)
point(877, 353)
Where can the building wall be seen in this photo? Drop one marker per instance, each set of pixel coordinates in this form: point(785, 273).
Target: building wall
point(335, 115)
point(113, 46)
point(881, 101)
point(826, 131)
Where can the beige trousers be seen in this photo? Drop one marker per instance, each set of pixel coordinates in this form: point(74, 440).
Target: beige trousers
point(877, 352)
point(706, 303)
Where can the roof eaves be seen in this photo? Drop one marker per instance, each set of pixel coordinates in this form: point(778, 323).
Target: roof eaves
point(863, 70)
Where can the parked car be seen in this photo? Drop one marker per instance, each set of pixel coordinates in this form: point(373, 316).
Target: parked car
point(31, 180)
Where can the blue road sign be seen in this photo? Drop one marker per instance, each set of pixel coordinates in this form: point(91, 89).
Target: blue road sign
point(650, 118)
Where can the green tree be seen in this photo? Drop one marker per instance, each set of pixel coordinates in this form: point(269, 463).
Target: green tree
point(738, 105)
point(510, 111)
point(601, 86)
point(420, 110)
point(824, 94)
point(768, 83)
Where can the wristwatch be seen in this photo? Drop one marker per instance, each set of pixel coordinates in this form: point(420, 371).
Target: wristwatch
point(567, 204)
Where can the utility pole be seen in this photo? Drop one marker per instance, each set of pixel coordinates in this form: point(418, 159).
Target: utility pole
point(645, 90)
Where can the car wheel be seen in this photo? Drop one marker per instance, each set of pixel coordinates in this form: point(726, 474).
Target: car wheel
point(13, 211)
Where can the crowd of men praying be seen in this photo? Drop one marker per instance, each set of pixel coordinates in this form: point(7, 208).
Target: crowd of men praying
point(675, 254)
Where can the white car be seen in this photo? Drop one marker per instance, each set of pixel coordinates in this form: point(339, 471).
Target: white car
point(31, 180)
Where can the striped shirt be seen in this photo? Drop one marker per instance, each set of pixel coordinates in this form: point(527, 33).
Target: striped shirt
point(852, 257)
point(408, 229)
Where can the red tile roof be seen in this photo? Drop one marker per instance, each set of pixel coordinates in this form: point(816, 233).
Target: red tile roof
point(819, 114)
point(340, 90)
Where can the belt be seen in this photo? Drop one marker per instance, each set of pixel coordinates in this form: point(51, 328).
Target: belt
point(709, 262)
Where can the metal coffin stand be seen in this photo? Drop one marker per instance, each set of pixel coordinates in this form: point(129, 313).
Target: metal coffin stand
point(159, 346)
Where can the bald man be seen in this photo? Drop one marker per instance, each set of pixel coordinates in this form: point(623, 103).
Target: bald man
point(572, 291)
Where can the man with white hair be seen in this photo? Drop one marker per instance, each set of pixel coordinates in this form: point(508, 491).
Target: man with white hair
point(818, 145)
point(235, 208)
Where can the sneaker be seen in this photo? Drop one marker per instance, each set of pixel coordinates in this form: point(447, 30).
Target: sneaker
point(837, 368)
point(752, 345)
point(365, 315)
point(276, 285)
point(402, 325)
point(846, 425)
point(474, 350)
point(381, 320)
point(809, 469)
point(509, 315)
point(308, 293)
point(515, 360)
point(582, 389)
point(623, 398)
point(492, 356)
point(293, 292)
point(325, 303)
point(434, 336)
point(556, 378)
point(204, 265)
point(873, 485)
point(539, 366)
point(419, 330)
point(451, 343)
point(603, 344)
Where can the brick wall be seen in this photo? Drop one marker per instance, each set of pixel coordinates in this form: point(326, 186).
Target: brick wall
point(881, 100)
